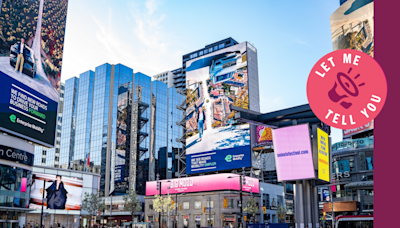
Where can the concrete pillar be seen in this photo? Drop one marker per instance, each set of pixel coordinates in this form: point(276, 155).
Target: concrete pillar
point(22, 219)
point(307, 202)
point(298, 204)
point(315, 206)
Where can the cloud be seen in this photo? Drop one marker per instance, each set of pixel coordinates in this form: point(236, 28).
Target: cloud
point(300, 42)
point(151, 5)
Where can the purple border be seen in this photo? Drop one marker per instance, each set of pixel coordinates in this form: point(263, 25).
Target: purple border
point(387, 156)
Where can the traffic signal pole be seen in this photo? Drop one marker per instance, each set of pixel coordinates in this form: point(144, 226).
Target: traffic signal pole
point(241, 203)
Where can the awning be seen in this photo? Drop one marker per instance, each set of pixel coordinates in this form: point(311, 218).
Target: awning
point(361, 185)
point(16, 209)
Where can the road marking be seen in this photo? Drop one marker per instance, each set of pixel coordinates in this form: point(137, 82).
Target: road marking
point(41, 121)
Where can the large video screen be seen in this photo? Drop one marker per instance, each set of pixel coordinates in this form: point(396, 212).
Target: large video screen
point(31, 49)
point(214, 140)
point(352, 26)
point(60, 192)
point(293, 155)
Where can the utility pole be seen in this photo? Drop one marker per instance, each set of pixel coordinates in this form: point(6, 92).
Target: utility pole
point(41, 213)
point(159, 188)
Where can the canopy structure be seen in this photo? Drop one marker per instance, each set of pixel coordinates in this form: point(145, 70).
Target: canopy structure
point(361, 185)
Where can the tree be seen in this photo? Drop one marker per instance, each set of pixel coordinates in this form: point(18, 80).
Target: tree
point(163, 204)
point(252, 207)
point(132, 203)
point(281, 213)
point(92, 204)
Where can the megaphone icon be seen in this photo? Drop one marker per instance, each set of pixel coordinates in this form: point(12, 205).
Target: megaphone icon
point(347, 88)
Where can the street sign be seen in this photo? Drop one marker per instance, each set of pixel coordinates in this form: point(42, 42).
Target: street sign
point(208, 208)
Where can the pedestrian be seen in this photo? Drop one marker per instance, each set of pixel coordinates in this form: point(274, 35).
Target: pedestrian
point(200, 122)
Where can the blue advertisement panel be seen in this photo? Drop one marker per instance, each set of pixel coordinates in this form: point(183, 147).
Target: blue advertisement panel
point(233, 158)
point(325, 195)
point(25, 112)
point(31, 52)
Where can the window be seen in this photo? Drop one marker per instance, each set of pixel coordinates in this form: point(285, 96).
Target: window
point(205, 51)
point(210, 50)
point(151, 207)
point(230, 203)
point(150, 218)
point(200, 53)
point(197, 205)
point(215, 48)
point(186, 205)
point(221, 46)
point(210, 203)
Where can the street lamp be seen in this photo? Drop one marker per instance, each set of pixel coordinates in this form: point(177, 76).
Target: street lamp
point(168, 198)
point(159, 188)
point(241, 195)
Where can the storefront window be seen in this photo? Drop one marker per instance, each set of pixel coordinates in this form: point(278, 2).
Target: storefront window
point(197, 220)
point(367, 160)
point(368, 192)
point(230, 203)
point(210, 203)
point(186, 221)
point(210, 220)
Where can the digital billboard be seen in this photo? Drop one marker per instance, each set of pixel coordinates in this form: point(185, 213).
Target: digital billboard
point(323, 155)
point(293, 155)
point(264, 135)
point(215, 182)
point(349, 132)
point(31, 48)
point(214, 82)
point(352, 26)
point(60, 192)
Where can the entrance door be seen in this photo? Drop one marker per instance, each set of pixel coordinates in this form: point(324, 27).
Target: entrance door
point(185, 221)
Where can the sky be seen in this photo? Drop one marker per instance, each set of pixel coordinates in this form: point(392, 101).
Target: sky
point(150, 36)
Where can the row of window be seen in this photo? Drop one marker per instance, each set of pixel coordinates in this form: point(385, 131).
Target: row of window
point(206, 51)
point(207, 204)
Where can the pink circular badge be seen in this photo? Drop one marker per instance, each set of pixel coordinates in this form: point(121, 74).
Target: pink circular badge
point(346, 89)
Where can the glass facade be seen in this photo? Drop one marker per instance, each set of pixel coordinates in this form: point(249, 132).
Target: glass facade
point(10, 187)
point(174, 131)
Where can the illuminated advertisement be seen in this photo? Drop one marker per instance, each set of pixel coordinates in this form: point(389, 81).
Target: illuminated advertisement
point(215, 182)
point(264, 135)
point(293, 155)
point(60, 192)
point(323, 155)
point(355, 143)
point(214, 82)
point(31, 48)
point(366, 127)
point(352, 26)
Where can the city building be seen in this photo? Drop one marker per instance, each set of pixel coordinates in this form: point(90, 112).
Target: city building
point(272, 196)
point(50, 156)
point(16, 161)
point(76, 183)
point(208, 200)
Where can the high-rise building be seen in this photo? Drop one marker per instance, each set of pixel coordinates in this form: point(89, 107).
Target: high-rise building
point(120, 125)
point(50, 156)
point(174, 78)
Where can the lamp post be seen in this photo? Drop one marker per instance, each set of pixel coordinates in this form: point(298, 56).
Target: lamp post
point(168, 207)
point(41, 213)
point(159, 188)
point(242, 181)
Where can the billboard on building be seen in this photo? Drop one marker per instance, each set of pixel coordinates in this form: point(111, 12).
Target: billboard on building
point(293, 155)
point(31, 48)
point(352, 26)
point(323, 155)
point(214, 140)
point(264, 135)
point(215, 182)
point(349, 132)
point(60, 192)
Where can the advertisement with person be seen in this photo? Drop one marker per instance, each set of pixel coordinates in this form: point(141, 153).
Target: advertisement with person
point(60, 192)
point(352, 26)
point(293, 155)
point(214, 82)
point(31, 49)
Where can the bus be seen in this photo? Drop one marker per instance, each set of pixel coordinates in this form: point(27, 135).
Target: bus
point(355, 221)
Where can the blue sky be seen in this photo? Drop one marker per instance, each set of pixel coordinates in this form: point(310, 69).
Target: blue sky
point(151, 36)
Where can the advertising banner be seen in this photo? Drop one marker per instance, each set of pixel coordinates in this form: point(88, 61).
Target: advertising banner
point(63, 193)
point(215, 81)
point(31, 48)
point(218, 160)
point(352, 26)
point(355, 143)
point(325, 195)
point(349, 132)
point(264, 135)
point(293, 155)
point(323, 155)
point(215, 182)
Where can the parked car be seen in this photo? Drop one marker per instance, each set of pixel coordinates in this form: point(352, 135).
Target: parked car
point(29, 60)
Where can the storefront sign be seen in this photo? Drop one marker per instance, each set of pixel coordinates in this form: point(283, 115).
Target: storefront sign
point(19, 156)
point(215, 182)
point(338, 175)
point(341, 206)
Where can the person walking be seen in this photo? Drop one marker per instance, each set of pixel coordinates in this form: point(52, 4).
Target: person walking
point(200, 122)
point(20, 56)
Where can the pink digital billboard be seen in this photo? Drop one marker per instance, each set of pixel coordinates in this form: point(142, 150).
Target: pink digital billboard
point(293, 155)
point(215, 182)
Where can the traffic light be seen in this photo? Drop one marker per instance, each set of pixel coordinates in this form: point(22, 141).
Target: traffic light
point(324, 213)
point(157, 219)
point(264, 210)
point(244, 180)
point(225, 203)
point(180, 207)
point(204, 210)
point(245, 218)
point(173, 202)
point(330, 205)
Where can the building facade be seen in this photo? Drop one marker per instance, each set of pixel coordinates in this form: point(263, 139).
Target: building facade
point(50, 156)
